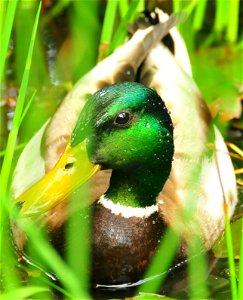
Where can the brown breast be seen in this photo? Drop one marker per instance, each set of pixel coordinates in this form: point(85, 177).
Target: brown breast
point(122, 247)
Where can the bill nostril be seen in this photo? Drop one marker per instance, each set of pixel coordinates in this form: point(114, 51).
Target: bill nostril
point(69, 166)
point(20, 204)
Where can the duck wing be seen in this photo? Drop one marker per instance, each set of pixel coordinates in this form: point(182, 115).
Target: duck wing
point(202, 174)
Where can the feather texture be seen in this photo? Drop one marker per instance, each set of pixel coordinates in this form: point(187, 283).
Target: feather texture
point(170, 75)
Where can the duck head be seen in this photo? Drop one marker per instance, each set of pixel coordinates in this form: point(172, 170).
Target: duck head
point(124, 127)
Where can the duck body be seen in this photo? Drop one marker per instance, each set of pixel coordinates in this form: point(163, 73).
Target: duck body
point(124, 241)
point(129, 220)
point(126, 227)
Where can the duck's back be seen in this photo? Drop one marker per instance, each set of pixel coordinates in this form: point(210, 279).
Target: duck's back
point(202, 175)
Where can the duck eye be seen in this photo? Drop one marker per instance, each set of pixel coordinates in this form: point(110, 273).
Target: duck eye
point(123, 118)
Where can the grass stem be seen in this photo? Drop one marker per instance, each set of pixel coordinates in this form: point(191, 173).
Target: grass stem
point(123, 5)
point(240, 277)
point(199, 16)
point(221, 16)
point(231, 258)
point(5, 35)
point(6, 167)
point(159, 271)
point(197, 265)
point(109, 20)
point(122, 29)
point(233, 21)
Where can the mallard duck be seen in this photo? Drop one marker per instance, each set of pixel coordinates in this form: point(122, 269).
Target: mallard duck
point(129, 130)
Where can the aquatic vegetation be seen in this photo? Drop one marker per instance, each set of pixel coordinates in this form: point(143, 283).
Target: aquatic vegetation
point(42, 73)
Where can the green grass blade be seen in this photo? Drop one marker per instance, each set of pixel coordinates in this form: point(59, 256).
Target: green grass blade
point(221, 16)
point(84, 54)
point(186, 28)
point(161, 262)
point(233, 21)
point(197, 268)
point(55, 11)
point(240, 286)
point(2, 17)
point(78, 236)
point(27, 107)
point(11, 279)
point(23, 293)
point(231, 258)
point(141, 6)
point(17, 148)
point(18, 111)
point(122, 29)
point(123, 5)
point(176, 6)
point(107, 28)
point(53, 260)
point(199, 16)
point(5, 36)
point(109, 20)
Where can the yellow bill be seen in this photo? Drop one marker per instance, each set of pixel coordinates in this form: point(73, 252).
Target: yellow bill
point(72, 170)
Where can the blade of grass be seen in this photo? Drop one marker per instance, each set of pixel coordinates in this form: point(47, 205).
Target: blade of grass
point(196, 251)
point(107, 28)
point(55, 11)
point(2, 13)
point(23, 293)
point(84, 55)
point(186, 28)
point(108, 23)
point(161, 262)
point(19, 147)
point(122, 29)
point(43, 278)
point(163, 258)
point(176, 6)
point(221, 16)
point(27, 107)
point(123, 5)
point(230, 256)
point(199, 16)
point(233, 21)
point(18, 112)
point(197, 266)
point(240, 286)
point(41, 245)
point(5, 36)
point(11, 279)
point(78, 236)
point(141, 6)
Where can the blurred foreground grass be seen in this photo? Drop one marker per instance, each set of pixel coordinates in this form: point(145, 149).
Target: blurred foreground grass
point(66, 47)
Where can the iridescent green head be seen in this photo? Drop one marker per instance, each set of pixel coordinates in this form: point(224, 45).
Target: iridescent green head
point(124, 127)
point(129, 130)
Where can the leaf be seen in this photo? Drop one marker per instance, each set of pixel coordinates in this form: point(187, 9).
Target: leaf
point(23, 293)
point(220, 248)
point(149, 296)
point(217, 72)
